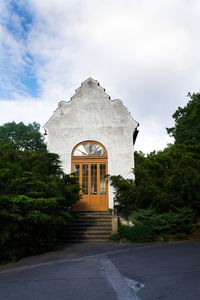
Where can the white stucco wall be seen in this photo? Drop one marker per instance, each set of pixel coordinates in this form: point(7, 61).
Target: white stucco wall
point(91, 115)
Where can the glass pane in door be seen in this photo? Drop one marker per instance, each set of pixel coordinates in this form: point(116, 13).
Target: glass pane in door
point(103, 179)
point(77, 171)
point(85, 179)
point(93, 189)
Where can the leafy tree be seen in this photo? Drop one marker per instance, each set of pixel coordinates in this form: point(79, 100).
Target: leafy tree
point(21, 136)
point(150, 226)
point(35, 196)
point(168, 179)
point(187, 122)
point(35, 174)
point(125, 197)
point(178, 220)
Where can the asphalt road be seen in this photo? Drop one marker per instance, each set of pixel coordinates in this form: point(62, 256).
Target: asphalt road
point(106, 271)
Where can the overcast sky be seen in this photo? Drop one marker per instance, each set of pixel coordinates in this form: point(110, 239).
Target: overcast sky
point(146, 53)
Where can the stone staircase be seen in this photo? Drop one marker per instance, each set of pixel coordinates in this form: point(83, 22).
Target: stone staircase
point(90, 227)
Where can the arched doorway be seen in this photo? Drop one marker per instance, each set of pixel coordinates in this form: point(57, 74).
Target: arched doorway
point(90, 165)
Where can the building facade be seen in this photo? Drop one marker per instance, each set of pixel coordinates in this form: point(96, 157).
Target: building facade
point(94, 136)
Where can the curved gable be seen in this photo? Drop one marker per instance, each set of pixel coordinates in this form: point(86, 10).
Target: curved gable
point(91, 106)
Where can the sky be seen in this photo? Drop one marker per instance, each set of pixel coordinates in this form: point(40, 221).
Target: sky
point(145, 53)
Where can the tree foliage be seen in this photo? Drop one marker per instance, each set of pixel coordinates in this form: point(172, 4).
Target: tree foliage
point(150, 226)
point(178, 220)
point(22, 137)
point(187, 122)
point(35, 195)
point(168, 179)
point(124, 195)
point(29, 225)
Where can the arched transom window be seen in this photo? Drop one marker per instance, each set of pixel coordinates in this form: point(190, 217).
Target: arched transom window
point(89, 149)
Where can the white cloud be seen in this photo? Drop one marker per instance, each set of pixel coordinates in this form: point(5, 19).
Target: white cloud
point(12, 51)
point(144, 52)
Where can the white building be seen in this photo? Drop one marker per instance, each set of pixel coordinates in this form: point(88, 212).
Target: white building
point(93, 136)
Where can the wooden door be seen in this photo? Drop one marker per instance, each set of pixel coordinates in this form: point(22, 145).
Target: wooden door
point(91, 172)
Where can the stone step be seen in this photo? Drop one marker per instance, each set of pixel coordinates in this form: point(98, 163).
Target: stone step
point(90, 231)
point(94, 217)
point(94, 224)
point(84, 240)
point(89, 234)
point(92, 221)
point(91, 227)
point(94, 213)
point(85, 237)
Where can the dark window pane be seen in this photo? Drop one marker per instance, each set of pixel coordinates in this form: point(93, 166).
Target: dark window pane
point(77, 171)
point(93, 190)
point(103, 179)
point(85, 179)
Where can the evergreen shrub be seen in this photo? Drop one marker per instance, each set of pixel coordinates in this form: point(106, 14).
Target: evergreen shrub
point(31, 226)
point(35, 195)
point(178, 220)
point(149, 226)
point(138, 233)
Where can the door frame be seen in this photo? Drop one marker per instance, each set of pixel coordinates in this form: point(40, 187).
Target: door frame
point(90, 202)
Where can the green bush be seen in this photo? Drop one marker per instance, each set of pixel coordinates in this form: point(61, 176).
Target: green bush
point(179, 220)
point(30, 226)
point(35, 195)
point(168, 179)
point(180, 236)
point(124, 195)
point(150, 226)
point(138, 233)
point(164, 237)
point(115, 237)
